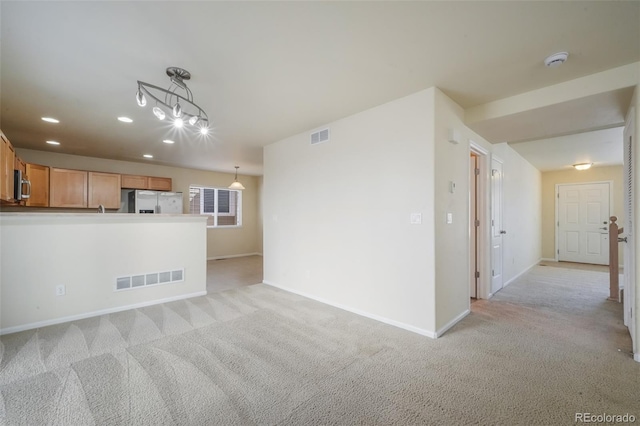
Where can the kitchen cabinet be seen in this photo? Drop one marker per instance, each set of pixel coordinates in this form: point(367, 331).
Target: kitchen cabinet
point(68, 188)
point(7, 163)
point(146, 182)
point(159, 183)
point(104, 188)
point(20, 165)
point(135, 182)
point(39, 177)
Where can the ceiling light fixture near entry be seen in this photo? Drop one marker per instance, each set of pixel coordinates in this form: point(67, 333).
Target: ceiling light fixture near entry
point(556, 59)
point(582, 166)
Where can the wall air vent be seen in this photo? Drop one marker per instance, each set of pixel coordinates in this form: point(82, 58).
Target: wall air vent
point(320, 136)
point(149, 279)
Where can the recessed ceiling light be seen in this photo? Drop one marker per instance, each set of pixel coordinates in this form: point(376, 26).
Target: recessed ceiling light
point(50, 120)
point(125, 119)
point(169, 141)
point(53, 143)
point(148, 156)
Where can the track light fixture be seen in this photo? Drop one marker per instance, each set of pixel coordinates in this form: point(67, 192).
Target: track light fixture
point(168, 101)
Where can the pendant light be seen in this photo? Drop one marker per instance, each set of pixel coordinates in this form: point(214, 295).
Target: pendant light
point(236, 184)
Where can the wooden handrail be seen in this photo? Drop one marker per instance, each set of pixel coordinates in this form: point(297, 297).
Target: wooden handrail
point(614, 285)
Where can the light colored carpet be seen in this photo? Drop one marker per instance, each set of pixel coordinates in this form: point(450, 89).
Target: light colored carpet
point(541, 350)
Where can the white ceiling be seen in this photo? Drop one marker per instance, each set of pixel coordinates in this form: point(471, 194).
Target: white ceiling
point(601, 147)
point(267, 70)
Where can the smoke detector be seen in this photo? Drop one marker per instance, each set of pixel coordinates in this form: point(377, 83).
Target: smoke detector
point(556, 59)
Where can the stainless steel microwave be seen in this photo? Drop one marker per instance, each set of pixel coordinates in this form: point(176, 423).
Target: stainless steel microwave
point(21, 186)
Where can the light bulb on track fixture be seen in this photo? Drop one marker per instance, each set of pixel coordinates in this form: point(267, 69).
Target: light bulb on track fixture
point(158, 112)
point(142, 101)
point(177, 110)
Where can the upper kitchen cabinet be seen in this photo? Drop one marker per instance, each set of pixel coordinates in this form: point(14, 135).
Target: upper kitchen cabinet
point(68, 188)
point(160, 183)
point(135, 182)
point(7, 163)
point(146, 182)
point(104, 188)
point(39, 177)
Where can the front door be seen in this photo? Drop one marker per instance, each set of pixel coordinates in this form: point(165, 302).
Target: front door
point(583, 222)
point(497, 230)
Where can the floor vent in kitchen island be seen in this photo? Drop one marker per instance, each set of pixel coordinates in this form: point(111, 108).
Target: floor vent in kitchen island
point(149, 279)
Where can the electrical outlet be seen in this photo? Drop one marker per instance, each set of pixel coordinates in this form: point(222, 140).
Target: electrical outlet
point(61, 290)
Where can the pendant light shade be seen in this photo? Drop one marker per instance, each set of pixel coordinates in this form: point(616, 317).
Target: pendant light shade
point(236, 184)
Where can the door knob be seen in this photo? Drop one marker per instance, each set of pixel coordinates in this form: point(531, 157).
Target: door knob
point(503, 232)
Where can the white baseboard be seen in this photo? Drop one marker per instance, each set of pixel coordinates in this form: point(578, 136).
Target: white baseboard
point(394, 323)
point(451, 323)
point(636, 357)
point(39, 324)
point(520, 274)
point(234, 255)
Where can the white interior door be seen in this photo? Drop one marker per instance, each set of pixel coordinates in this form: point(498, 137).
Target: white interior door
point(629, 282)
point(583, 222)
point(497, 231)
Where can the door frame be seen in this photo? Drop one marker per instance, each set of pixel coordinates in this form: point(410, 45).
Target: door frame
point(557, 209)
point(491, 226)
point(483, 215)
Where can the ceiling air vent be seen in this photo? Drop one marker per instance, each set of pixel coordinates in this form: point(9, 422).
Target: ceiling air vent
point(320, 136)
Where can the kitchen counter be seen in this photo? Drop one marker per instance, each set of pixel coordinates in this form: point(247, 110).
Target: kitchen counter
point(88, 256)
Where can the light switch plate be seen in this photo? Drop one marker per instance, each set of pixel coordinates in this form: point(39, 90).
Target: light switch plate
point(449, 218)
point(416, 218)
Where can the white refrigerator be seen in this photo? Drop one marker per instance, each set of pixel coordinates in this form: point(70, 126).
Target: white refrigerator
point(141, 201)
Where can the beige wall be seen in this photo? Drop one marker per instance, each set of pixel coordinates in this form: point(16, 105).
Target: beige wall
point(87, 253)
point(221, 242)
point(337, 214)
point(594, 174)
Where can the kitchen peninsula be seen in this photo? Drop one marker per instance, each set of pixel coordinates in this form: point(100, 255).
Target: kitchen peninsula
point(57, 267)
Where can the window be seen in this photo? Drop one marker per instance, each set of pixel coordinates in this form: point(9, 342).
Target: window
point(223, 206)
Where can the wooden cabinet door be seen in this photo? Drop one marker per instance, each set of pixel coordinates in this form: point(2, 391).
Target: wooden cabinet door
point(67, 188)
point(7, 163)
point(20, 165)
point(160, 184)
point(39, 177)
point(104, 188)
point(135, 182)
